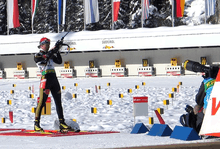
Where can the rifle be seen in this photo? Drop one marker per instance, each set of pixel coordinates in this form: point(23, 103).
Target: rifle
point(58, 45)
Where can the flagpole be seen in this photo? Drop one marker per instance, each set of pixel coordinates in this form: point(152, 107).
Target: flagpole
point(84, 16)
point(58, 29)
point(112, 15)
point(32, 16)
point(142, 20)
point(173, 13)
point(64, 15)
point(205, 11)
point(7, 18)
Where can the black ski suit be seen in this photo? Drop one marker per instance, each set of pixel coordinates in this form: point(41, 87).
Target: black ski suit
point(49, 81)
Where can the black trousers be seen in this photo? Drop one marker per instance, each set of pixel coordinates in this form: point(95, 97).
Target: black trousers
point(52, 85)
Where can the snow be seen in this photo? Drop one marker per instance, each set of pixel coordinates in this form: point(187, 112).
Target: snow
point(118, 117)
point(195, 13)
point(194, 34)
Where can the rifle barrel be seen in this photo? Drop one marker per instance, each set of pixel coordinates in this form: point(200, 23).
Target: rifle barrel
point(64, 36)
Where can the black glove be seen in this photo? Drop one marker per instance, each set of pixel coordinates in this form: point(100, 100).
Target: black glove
point(189, 109)
point(58, 45)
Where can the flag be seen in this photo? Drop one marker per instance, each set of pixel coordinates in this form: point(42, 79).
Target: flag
point(61, 11)
point(179, 8)
point(13, 13)
point(210, 7)
point(182, 5)
point(34, 9)
point(91, 11)
point(145, 9)
point(116, 6)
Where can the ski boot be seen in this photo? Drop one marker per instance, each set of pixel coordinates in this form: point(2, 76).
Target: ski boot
point(37, 127)
point(64, 127)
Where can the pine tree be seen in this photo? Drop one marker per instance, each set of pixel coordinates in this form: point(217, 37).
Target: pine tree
point(129, 16)
point(3, 18)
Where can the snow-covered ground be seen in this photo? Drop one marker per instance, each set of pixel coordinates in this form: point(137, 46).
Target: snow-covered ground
point(118, 117)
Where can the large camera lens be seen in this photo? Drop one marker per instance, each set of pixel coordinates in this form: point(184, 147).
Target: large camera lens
point(195, 66)
point(211, 71)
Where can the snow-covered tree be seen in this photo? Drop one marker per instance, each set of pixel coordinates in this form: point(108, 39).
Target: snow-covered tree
point(129, 16)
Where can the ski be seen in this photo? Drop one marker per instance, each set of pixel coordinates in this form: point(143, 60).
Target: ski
point(53, 133)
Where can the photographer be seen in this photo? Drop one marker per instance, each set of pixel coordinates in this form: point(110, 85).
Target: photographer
point(45, 60)
point(194, 116)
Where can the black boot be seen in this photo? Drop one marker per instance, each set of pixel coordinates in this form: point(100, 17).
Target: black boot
point(37, 126)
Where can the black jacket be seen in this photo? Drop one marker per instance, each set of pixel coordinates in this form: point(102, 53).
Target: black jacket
point(42, 57)
point(201, 95)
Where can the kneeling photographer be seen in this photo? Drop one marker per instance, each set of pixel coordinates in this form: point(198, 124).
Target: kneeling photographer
point(194, 116)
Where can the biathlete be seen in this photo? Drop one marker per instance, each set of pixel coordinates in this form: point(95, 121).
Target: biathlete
point(45, 60)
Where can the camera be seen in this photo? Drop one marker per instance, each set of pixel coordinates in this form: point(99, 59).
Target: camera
point(210, 72)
